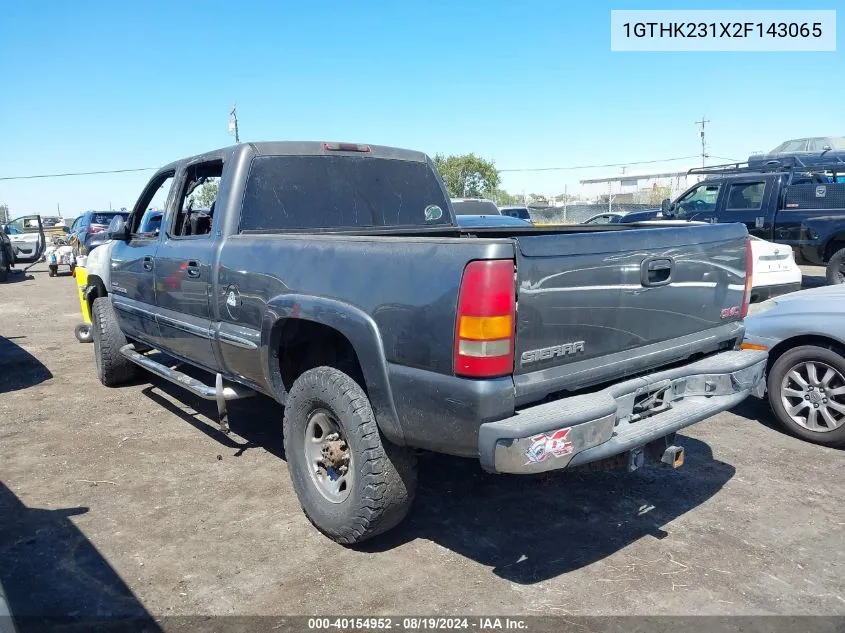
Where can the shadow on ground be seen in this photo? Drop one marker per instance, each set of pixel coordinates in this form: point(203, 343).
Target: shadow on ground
point(52, 574)
point(255, 422)
point(527, 529)
point(17, 275)
point(18, 368)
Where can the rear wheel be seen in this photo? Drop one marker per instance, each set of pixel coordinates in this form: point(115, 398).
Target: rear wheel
point(113, 368)
point(836, 268)
point(807, 394)
point(351, 483)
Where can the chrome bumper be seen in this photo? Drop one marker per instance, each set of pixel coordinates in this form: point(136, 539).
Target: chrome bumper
point(590, 427)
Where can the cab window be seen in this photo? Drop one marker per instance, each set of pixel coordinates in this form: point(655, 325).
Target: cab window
point(746, 196)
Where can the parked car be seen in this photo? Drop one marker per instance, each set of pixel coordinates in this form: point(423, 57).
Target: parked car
point(775, 271)
point(476, 221)
point(804, 333)
point(89, 230)
point(19, 248)
point(797, 202)
point(605, 218)
point(474, 206)
point(516, 211)
point(336, 279)
point(811, 145)
point(616, 217)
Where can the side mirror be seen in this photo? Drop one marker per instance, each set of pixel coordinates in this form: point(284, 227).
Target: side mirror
point(118, 230)
point(665, 206)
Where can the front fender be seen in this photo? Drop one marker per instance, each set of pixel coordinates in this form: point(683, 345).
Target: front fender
point(361, 331)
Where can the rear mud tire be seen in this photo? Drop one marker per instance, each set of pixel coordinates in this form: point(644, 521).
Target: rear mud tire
point(384, 476)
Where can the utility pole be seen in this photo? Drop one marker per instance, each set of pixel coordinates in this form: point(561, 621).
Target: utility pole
point(233, 123)
point(702, 123)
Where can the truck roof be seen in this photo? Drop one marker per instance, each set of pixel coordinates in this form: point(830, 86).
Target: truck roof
point(305, 148)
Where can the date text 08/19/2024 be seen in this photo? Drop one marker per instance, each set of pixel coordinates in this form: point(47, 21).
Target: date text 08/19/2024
point(416, 623)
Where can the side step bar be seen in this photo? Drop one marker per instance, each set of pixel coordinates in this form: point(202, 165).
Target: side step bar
point(218, 392)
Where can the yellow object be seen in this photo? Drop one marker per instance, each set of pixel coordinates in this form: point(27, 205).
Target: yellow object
point(485, 328)
point(81, 281)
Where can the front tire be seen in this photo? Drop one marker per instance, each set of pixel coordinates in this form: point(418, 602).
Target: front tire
point(113, 368)
point(835, 272)
point(806, 388)
point(351, 483)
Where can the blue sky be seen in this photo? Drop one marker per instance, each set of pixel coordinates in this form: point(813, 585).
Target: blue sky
point(93, 85)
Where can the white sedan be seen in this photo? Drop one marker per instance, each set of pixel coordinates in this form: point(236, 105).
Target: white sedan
point(775, 271)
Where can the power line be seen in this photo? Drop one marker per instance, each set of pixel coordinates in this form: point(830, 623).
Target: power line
point(78, 173)
point(636, 162)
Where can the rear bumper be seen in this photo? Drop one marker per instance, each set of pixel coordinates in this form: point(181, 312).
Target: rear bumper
point(587, 428)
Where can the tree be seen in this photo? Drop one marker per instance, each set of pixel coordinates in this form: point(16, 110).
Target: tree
point(467, 175)
point(4, 213)
point(205, 194)
point(657, 194)
point(502, 197)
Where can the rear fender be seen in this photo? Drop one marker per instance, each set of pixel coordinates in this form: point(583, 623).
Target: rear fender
point(361, 331)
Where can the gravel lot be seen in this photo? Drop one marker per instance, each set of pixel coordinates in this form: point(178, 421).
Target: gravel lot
point(129, 501)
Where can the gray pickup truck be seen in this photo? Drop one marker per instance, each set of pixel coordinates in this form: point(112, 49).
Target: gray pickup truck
point(335, 279)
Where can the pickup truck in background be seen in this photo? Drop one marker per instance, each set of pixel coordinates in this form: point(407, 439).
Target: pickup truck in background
point(798, 201)
point(335, 279)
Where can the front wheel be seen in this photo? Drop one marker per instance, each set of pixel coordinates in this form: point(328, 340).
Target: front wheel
point(113, 368)
point(836, 268)
point(807, 394)
point(351, 483)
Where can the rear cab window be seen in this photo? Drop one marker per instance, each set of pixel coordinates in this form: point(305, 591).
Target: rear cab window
point(341, 192)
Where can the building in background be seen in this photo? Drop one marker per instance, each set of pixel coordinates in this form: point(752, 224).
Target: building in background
point(637, 188)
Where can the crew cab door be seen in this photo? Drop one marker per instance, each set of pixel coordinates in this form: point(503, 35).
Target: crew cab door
point(132, 264)
point(184, 267)
point(750, 200)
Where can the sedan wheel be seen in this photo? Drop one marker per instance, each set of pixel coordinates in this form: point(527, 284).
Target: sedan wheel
point(813, 394)
point(807, 393)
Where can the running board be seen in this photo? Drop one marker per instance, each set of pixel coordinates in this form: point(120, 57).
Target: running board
point(218, 392)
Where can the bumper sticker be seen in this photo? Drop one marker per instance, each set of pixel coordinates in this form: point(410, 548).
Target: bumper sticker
point(547, 445)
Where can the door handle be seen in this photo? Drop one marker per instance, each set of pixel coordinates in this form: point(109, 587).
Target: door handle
point(148, 263)
point(656, 271)
point(193, 269)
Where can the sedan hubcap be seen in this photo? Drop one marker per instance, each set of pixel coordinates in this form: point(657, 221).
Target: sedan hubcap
point(328, 456)
point(813, 394)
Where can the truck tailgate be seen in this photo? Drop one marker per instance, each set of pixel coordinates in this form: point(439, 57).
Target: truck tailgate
point(612, 304)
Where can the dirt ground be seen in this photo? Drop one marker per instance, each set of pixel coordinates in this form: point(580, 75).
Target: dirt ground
point(129, 502)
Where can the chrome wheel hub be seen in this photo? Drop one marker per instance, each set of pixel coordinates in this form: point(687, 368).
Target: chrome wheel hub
point(813, 394)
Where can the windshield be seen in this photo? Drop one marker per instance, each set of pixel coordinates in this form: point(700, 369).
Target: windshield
point(475, 207)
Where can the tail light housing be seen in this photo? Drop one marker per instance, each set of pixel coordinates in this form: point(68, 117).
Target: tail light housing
point(484, 328)
point(749, 270)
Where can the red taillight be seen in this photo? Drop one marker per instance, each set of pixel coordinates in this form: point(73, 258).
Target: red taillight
point(749, 269)
point(485, 321)
point(345, 147)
